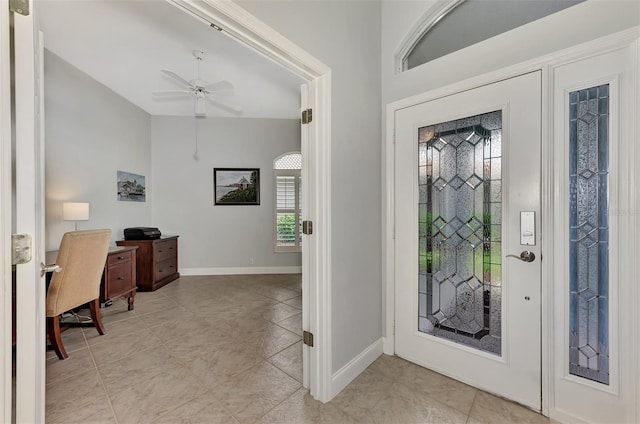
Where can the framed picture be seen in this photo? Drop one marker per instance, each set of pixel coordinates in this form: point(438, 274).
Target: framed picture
point(131, 187)
point(236, 186)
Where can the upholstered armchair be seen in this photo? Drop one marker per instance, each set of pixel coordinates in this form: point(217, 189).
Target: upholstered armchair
point(82, 257)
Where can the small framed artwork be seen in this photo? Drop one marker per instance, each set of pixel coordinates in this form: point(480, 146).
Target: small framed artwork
point(236, 186)
point(131, 187)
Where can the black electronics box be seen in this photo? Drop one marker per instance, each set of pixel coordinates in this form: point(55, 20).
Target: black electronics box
point(141, 233)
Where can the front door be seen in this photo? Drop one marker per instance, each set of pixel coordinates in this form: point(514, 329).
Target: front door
point(467, 237)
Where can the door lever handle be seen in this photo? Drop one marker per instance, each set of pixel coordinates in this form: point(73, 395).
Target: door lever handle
point(525, 256)
point(49, 268)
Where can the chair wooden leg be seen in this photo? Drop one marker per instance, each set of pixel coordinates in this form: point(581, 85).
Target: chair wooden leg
point(94, 307)
point(53, 329)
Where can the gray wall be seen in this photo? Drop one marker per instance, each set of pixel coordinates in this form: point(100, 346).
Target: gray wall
point(91, 133)
point(345, 35)
point(218, 236)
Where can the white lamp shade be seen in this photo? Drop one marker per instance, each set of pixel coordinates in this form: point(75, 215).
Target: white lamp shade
point(75, 211)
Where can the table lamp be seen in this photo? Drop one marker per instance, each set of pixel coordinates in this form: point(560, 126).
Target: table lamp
point(74, 211)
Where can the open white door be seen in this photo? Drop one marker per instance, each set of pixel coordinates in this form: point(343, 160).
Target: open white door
point(28, 194)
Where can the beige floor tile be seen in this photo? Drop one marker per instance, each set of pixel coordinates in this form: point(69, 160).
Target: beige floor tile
point(400, 405)
point(123, 347)
point(296, 302)
point(437, 386)
point(192, 346)
point(269, 340)
point(363, 394)
point(78, 362)
point(139, 366)
point(149, 304)
point(221, 363)
point(290, 361)
point(301, 408)
point(203, 409)
point(176, 313)
point(280, 312)
point(277, 293)
point(293, 324)
point(144, 400)
point(256, 391)
point(491, 409)
point(113, 331)
point(80, 399)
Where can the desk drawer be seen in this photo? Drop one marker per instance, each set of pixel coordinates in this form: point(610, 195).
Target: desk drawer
point(120, 257)
point(164, 250)
point(119, 280)
point(166, 268)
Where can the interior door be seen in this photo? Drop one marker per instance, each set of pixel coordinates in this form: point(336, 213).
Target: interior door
point(29, 218)
point(467, 237)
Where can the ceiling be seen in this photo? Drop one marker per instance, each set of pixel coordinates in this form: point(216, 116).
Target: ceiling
point(125, 45)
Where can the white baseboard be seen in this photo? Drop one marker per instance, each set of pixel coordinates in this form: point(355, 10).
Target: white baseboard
point(242, 270)
point(353, 368)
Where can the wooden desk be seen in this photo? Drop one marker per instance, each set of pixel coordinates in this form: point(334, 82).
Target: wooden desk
point(119, 276)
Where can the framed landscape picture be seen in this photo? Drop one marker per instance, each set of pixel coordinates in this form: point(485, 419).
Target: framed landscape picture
point(131, 187)
point(236, 186)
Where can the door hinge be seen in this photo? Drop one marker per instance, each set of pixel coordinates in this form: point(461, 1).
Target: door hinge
point(19, 6)
point(307, 116)
point(307, 227)
point(307, 338)
point(20, 249)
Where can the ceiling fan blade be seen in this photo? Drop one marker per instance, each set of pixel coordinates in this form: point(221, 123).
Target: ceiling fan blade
point(172, 93)
point(219, 86)
point(176, 77)
point(226, 106)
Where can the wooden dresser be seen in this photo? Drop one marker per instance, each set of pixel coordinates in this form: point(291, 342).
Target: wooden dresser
point(156, 261)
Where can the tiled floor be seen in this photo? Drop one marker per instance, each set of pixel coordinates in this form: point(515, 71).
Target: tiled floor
point(227, 349)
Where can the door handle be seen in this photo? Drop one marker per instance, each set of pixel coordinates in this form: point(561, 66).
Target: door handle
point(525, 256)
point(49, 268)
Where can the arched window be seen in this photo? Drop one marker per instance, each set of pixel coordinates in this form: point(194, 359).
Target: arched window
point(287, 194)
point(451, 25)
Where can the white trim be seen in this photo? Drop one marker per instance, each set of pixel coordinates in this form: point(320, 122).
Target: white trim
point(241, 270)
point(581, 51)
point(5, 218)
point(247, 29)
point(432, 16)
point(354, 367)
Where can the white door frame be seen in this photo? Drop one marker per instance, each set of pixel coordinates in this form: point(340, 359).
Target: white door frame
point(22, 187)
point(5, 217)
point(237, 23)
point(545, 64)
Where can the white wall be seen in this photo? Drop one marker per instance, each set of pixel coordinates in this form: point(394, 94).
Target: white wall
point(91, 133)
point(345, 35)
point(213, 238)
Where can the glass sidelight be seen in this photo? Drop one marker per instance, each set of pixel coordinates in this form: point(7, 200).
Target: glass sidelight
point(460, 226)
point(589, 233)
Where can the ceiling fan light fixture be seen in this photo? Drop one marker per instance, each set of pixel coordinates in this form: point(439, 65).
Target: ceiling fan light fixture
point(200, 104)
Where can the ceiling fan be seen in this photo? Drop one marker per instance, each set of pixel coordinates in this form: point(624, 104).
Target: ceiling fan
point(200, 90)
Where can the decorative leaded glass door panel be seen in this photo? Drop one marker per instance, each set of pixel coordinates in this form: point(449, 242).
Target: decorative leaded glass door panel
point(466, 166)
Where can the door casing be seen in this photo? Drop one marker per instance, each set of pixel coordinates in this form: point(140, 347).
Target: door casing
point(624, 39)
